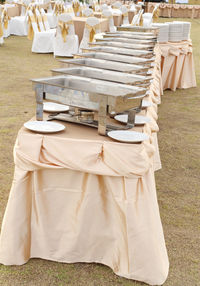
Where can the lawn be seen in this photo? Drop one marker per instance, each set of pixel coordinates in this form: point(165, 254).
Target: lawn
point(178, 182)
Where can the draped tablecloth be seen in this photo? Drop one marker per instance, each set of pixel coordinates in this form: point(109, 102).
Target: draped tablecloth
point(81, 197)
point(176, 10)
point(177, 65)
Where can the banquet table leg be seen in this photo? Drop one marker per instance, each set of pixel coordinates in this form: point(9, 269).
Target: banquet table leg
point(39, 102)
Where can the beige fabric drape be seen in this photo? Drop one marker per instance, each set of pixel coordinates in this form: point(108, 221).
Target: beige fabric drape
point(177, 65)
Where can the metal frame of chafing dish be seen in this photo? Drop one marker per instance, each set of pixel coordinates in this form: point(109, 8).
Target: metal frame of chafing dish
point(120, 51)
point(112, 76)
point(139, 29)
point(107, 65)
point(107, 103)
point(152, 40)
point(118, 45)
point(126, 41)
point(117, 58)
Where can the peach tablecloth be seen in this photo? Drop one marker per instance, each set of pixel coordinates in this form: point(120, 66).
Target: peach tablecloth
point(81, 197)
point(176, 10)
point(79, 25)
point(177, 65)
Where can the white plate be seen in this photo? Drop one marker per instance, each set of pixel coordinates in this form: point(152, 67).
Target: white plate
point(139, 119)
point(54, 107)
point(128, 136)
point(44, 126)
point(146, 103)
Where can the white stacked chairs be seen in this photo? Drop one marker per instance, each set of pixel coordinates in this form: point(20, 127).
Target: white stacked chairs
point(66, 42)
point(124, 11)
point(43, 42)
point(108, 14)
point(88, 12)
point(92, 27)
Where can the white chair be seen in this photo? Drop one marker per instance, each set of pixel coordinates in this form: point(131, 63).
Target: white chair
point(19, 24)
point(108, 14)
point(6, 23)
point(1, 28)
point(92, 27)
point(39, 21)
point(116, 5)
point(136, 18)
point(66, 42)
point(87, 12)
point(43, 42)
point(133, 8)
point(147, 19)
point(24, 7)
point(69, 10)
point(125, 15)
point(51, 16)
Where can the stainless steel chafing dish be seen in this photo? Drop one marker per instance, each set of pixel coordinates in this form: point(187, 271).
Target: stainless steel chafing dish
point(137, 42)
point(91, 94)
point(108, 75)
point(132, 35)
point(135, 39)
point(128, 42)
point(152, 30)
point(116, 44)
point(107, 65)
point(117, 58)
point(122, 51)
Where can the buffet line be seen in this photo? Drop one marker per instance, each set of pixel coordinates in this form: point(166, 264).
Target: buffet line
point(110, 79)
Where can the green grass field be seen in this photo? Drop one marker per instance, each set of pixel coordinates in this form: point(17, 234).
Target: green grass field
point(178, 182)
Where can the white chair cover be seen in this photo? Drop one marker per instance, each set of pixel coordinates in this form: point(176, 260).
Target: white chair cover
point(69, 45)
point(147, 19)
point(87, 12)
point(136, 18)
point(108, 14)
point(45, 20)
point(43, 42)
point(19, 24)
point(125, 15)
point(6, 29)
point(39, 20)
point(94, 23)
point(1, 27)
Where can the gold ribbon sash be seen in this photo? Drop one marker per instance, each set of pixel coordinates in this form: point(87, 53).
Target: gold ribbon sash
point(31, 19)
point(76, 7)
point(92, 30)
point(64, 27)
point(1, 29)
point(6, 18)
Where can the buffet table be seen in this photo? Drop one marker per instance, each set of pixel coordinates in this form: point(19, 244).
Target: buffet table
point(177, 65)
point(61, 179)
point(176, 10)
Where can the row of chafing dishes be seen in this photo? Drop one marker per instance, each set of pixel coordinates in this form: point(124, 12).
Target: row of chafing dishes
point(112, 76)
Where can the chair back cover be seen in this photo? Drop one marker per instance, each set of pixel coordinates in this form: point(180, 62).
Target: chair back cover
point(39, 21)
point(125, 15)
point(88, 12)
point(92, 27)
point(45, 20)
point(108, 14)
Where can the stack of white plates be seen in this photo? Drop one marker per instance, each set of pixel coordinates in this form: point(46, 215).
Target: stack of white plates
point(163, 34)
point(186, 30)
point(175, 31)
